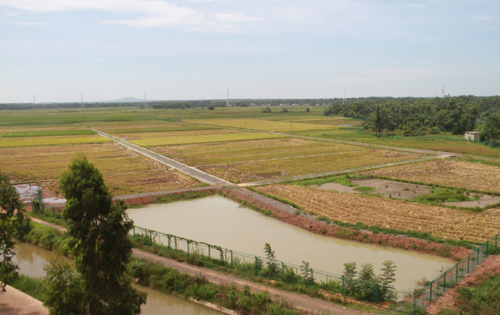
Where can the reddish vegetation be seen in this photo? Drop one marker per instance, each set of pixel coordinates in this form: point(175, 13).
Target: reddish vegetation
point(140, 200)
point(447, 301)
point(403, 242)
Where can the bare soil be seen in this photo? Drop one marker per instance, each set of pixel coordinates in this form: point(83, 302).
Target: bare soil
point(399, 190)
point(447, 301)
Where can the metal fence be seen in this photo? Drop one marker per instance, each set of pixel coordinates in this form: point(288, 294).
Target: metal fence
point(434, 289)
point(334, 286)
point(37, 206)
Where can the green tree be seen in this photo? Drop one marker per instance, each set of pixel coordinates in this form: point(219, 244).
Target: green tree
point(211, 107)
point(272, 268)
point(348, 275)
point(491, 130)
point(387, 278)
point(12, 223)
point(368, 277)
point(101, 247)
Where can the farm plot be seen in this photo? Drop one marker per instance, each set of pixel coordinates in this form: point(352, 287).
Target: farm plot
point(115, 126)
point(128, 172)
point(392, 214)
point(203, 139)
point(252, 150)
point(264, 125)
point(50, 140)
point(446, 173)
point(283, 168)
point(180, 133)
point(39, 128)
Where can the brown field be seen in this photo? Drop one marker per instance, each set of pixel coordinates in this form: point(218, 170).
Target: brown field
point(39, 128)
point(283, 168)
point(251, 150)
point(393, 214)
point(446, 173)
point(124, 170)
point(131, 124)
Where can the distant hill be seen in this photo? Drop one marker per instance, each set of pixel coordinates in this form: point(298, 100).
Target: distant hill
point(126, 100)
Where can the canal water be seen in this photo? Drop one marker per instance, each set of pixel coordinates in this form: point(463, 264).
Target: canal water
point(220, 221)
point(31, 259)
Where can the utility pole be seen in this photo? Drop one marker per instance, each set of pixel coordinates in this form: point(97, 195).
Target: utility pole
point(144, 99)
point(82, 99)
point(227, 99)
point(34, 100)
point(345, 94)
point(442, 91)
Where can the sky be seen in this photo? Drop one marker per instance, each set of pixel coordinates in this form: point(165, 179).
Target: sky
point(59, 50)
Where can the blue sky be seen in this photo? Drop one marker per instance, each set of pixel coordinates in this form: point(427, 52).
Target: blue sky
point(195, 49)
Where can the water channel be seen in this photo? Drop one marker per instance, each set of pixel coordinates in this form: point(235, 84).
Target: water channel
point(31, 259)
point(220, 221)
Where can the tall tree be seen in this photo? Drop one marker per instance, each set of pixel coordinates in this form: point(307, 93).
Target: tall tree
point(12, 222)
point(99, 228)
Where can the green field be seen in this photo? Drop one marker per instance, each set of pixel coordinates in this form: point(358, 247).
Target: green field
point(48, 133)
point(54, 140)
point(263, 125)
point(203, 139)
point(159, 129)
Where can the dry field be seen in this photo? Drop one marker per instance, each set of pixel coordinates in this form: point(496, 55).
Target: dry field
point(105, 125)
point(50, 140)
point(447, 173)
point(251, 150)
point(393, 214)
point(38, 128)
point(264, 125)
point(124, 170)
point(169, 134)
point(287, 167)
point(229, 137)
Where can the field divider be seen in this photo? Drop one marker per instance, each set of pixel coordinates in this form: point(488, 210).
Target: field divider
point(188, 170)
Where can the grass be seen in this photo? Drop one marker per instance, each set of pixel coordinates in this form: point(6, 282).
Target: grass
point(343, 180)
point(175, 134)
point(364, 189)
point(450, 173)
point(54, 140)
point(446, 223)
point(203, 139)
point(48, 133)
point(264, 125)
point(274, 169)
point(441, 195)
point(32, 286)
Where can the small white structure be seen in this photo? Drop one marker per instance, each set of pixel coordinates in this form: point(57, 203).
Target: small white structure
point(472, 136)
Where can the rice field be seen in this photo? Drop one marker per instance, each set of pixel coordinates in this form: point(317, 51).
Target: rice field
point(252, 150)
point(125, 171)
point(50, 140)
point(392, 214)
point(288, 167)
point(169, 134)
point(203, 139)
point(263, 125)
point(48, 133)
point(446, 172)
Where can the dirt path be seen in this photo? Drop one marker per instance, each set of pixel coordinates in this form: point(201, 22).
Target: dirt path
point(15, 302)
point(303, 302)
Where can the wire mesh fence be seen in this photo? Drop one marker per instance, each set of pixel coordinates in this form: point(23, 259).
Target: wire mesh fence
point(435, 288)
point(334, 286)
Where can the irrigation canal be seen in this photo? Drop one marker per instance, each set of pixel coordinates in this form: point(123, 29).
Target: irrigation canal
point(220, 221)
point(31, 260)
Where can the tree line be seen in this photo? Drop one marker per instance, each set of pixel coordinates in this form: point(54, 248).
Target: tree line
point(420, 116)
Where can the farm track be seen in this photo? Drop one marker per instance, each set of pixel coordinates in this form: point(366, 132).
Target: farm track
point(188, 170)
point(302, 302)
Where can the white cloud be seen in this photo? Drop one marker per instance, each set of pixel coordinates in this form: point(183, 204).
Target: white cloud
point(482, 17)
point(236, 17)
point(28, 23)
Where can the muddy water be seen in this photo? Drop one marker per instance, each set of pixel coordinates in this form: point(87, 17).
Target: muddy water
point(31, 260)
point(220, 221)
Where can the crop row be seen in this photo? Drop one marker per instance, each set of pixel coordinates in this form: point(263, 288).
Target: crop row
point(392, 214)
point(264, 125)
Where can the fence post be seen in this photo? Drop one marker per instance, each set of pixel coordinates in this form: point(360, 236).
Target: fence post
point(133, 231)
point(256, 266)
point(187, 242)
point(282, 270)
point(312, 276)
point(169, 243)
point(444, 281)
point(487, 243)
point(232, 259)
point(456, 274)
point(343, 285)
point(468, 260)
point(414, 303)
point(477, 261)
point(496, 241)
point(209, 252)
point(430, 297)
point(377, 296)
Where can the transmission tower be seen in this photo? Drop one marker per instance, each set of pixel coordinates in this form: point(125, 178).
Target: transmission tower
point(345, 94)
point(442, 91)
point(81, 100)
point(227, 100)
point(145, 100)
